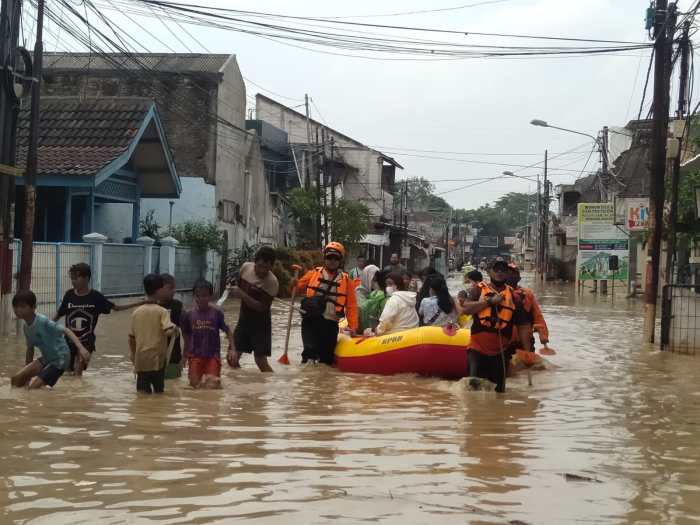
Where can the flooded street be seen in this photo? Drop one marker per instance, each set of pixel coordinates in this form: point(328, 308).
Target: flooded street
point(315, 446)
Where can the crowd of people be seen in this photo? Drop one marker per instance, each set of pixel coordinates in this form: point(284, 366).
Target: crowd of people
point(367, 301)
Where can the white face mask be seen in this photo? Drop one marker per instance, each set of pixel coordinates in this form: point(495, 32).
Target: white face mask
point(390, 290)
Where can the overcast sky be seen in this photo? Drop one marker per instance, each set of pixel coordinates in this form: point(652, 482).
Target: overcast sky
point(480, 106)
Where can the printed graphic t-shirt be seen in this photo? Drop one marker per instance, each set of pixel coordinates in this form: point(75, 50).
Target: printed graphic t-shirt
point(201, 330)
point(82, 313)
point(47, 336)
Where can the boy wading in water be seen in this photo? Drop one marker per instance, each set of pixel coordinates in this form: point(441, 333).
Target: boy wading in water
point(257, 287)
point(82, 307)
point(50, 338)
point(148, 340)
point(200, 328)
point(174, 308)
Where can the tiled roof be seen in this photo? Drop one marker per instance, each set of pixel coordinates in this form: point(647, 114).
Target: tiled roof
point(80, 137)
point(162, 62)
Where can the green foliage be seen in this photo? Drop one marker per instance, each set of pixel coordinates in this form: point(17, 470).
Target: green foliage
point(421, 196)
point(149, 227)
point(508, 213)
point(304, 209)
point(350, 222)
point(689, 225)
point(199, 235)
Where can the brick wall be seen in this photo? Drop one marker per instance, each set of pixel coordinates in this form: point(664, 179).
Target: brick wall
point(184, 102)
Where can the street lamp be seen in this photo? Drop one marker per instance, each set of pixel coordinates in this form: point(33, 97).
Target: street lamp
point(545, 124)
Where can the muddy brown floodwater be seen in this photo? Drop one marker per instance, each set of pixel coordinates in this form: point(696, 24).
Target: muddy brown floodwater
point(311, 445)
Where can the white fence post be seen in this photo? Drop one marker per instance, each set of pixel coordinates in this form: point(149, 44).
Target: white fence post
point(168, 247)
point(147, 243)
point(96, 242)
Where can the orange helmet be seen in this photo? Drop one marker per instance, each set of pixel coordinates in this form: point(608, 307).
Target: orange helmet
point(335, 247)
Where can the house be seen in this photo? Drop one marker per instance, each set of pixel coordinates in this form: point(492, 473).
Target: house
point(94, 155)
point(357, 172)
point(201, 99)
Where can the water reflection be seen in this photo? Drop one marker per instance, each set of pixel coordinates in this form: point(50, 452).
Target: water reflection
point(313, 445)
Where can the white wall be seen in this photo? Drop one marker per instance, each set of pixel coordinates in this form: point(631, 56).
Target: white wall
point(197, 202)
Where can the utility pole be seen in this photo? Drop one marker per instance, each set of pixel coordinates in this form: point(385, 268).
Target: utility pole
point(684, 45)
point(319, 223)
point(544, 226)
point(324, 190)
point(10, 11)
point(25, 268)
point(331, 174)
point(538, 229)
point(307, 175)
point(664, 26)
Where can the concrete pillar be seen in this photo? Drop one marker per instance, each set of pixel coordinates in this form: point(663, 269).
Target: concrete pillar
point(135, 220)
point(68, 215)
point(167, 255)
point(147, 243)
point(97, 242)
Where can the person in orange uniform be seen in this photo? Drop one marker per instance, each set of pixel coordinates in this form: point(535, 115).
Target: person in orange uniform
point(498, 315)
point(530, 304)
point(330, 296)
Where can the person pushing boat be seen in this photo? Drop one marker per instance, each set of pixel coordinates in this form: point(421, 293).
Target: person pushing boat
point(497, 313)
point(330, 296)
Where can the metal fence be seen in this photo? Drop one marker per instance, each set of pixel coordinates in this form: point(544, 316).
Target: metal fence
point(190, 265)
point(50, 265)
point(122, 269)
point(680, 324)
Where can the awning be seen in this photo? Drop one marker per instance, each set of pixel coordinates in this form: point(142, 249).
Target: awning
point(376, 239)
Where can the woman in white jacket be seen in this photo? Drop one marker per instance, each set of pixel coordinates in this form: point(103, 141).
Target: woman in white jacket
point(400, 310)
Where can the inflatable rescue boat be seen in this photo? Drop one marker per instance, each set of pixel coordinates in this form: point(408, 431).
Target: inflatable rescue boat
point(428, 351)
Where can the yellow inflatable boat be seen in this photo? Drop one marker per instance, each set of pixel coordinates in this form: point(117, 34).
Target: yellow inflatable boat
point(428, 350)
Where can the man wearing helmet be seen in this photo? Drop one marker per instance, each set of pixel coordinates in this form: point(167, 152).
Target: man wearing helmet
point(330, 296)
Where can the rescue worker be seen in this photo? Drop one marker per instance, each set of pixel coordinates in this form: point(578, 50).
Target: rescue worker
point(531, 306)
point(497, 314)
point(330, 296)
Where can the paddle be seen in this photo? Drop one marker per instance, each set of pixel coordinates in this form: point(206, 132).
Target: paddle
point(284, 358)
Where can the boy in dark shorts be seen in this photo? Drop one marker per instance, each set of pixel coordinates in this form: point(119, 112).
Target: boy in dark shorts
point(82, 307)
point(200, 328)
point(50, 338)
point(257, 287)
point(174, 307)
point(149, 336)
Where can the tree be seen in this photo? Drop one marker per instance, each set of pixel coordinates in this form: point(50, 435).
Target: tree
point(304, 209)
point(510, 212)
point(350, 222)
point(421, 195)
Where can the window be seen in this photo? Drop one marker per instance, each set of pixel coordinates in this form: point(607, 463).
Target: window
point(229, 211)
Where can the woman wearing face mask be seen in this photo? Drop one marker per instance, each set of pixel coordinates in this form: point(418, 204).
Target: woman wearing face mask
point(399, 312)
point(372, 306)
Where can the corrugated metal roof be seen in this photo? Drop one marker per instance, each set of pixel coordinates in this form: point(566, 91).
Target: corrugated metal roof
point(162, 62)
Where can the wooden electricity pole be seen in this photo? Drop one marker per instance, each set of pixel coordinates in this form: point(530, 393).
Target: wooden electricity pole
point(25, 268)
point(664, 27)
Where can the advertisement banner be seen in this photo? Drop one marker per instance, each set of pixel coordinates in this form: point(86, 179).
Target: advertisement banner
point(599, 238)
point(633, 213)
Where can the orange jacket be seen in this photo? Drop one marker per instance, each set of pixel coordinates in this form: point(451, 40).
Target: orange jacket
point(531, 306)
point(345, 299)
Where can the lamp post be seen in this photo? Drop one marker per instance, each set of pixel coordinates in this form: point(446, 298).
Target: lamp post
point(539, 240)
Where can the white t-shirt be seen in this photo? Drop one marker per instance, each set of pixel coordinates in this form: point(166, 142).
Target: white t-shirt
point(431, 314)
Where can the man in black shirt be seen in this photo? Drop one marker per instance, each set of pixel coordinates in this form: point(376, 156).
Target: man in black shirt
point(82, 307)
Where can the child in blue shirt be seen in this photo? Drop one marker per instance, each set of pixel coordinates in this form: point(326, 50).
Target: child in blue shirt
point(50, 338)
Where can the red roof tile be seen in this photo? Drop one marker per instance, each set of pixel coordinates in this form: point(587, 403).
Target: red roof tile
point(80, 137)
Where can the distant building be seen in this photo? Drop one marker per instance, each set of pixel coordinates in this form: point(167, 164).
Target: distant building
point(93, 156)
point(201, 99)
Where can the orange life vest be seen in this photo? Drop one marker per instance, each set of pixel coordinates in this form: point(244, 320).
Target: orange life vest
point(498, 317)
point(340, 291)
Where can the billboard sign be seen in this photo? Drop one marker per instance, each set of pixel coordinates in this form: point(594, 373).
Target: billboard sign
point(599, 238)
point(633, 213)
